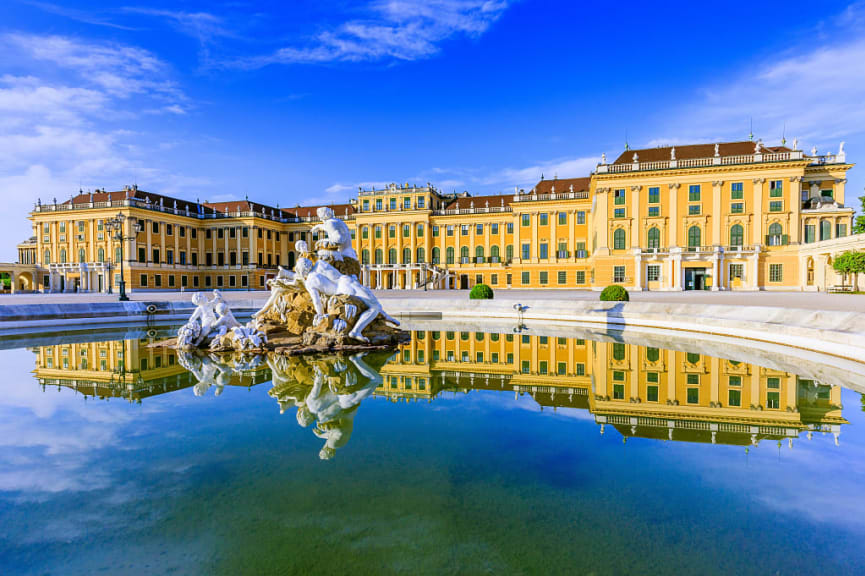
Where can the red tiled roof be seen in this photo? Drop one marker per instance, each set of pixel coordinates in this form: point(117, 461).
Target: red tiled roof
point(563, 185)
point(465, 202)
point(310, 211)
point(243, 206)
point(132, 194)
point(689, 151)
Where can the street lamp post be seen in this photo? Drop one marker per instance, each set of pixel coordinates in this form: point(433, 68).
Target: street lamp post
point(115, 225)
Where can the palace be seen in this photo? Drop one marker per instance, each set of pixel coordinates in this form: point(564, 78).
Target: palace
point(726, 216)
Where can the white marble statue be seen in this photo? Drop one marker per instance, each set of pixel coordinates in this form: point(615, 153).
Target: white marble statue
point(211, 321)
point(322, 279)
point(337, 241)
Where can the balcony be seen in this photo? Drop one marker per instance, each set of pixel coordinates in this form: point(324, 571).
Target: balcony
point(563, 254)
point(762, 157)
point(580, 254)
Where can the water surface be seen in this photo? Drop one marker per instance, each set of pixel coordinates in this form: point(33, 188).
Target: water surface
point(463, 452)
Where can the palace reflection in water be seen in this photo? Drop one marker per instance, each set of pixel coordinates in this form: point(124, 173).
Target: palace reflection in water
point(641, 391)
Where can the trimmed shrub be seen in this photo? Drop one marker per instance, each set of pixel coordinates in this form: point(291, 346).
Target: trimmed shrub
point(481, 292)
point(614, 293)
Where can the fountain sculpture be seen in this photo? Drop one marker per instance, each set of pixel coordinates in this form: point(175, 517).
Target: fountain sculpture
point(319, 306)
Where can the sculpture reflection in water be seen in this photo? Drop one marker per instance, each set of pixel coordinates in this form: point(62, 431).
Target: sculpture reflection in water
point(216, 370)
point(327, 391)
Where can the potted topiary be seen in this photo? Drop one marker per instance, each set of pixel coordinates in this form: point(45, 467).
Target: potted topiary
point(481, 292)
point(614, 293)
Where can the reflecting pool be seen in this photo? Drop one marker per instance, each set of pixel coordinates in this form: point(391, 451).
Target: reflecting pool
point(511, 450)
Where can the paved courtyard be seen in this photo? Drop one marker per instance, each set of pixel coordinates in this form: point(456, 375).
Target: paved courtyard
point(802, 300)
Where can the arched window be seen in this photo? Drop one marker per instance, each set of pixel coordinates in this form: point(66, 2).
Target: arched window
point(693, 358)
point(378, 256)
point(449, 254)
point(776, 232)
point(652, 354)
point(694, 238)
point(737, 235)
point(825, 230)
point(100, 255)
point(654, 238)
point(391, 256)
point(436, 255)
point(81, 256)
point(618, 351)
point(479, 253)
point(494, 253)
point(421, 255)
point(619, 239)
point(63, 255)
point(406, 255)
point(464, 254)
point(364, 256)
point(509, 252)
point(46, 258)
point(118, 257)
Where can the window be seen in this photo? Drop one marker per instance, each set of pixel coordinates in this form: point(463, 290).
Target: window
point(654, 211)
point(510, 228)
point(436, 255)
point(81, 255)
point(526, 250)
point(694, 209)
point(157, 280)
point(378, 203)
point(378, 231)
point(734, 398)
point(776, 272)
point(143, 280)
point(494, 253)
point(494, 228)
point(63, 255)
point(391, 256)
point(449, 255)
point(737, 191)
point(619, 239)
point(773, 400)
point(825, 230)
point(509, 252)
point(581, 276)
point(652, 393)
point(654, 195)
point(525, 367)
point(494, 279)
point(737, 271)
point(776, 236)
point(776, 188)
point(543, 251)
point(392, 203)
point(563, 218)
point(827, 193)
point(776, 206)
point(618, 390)
point(171, 280)
point(693, 380)
point(581, 217)
point(420, 230)
point(562, 277)
point(364, 256)
point(406, 255)
point(435, 231)
point(654, 238)
point(543, 218)
point(840, 230)
point(155, 227)
point(450, 230)
point(526, 220)
point(652, 354)
point(619, 213)
point(653, 273)
point(525, 278)
point(406, 203)
point(737, 208)
point(544, 277)
point(694, 193)
point(618, 274)
point(364, 232)
point(406, 230)
point(391, 231)
point(737, 235)
point(693, 358)
point(479, 229)
point(100, 255)
point(694, 237)
point(618, 351)
point(734, 380)
point(421, 201)
point(619, 196)
point(421, 255)
point(693, 395)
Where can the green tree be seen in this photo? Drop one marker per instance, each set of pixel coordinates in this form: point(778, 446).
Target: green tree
point(859, 224)
point(850, 263)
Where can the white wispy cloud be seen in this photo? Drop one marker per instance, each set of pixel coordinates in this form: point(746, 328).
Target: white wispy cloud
point(65, 123)
point(391, 30)
point(813, 92)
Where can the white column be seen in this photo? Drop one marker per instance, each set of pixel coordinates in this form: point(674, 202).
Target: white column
point(638, 270)
point(716, 277)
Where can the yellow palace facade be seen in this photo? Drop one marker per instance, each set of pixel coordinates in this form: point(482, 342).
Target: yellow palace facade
point(727, 216)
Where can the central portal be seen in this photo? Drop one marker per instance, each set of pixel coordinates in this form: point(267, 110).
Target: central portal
point(695, 278)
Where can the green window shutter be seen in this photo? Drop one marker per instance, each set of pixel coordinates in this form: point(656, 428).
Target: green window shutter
point(785, 239)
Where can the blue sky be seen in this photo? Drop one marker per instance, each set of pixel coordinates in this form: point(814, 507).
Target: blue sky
point(301, 102)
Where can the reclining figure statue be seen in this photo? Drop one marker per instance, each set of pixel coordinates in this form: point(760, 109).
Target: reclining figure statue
point(322, 279)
